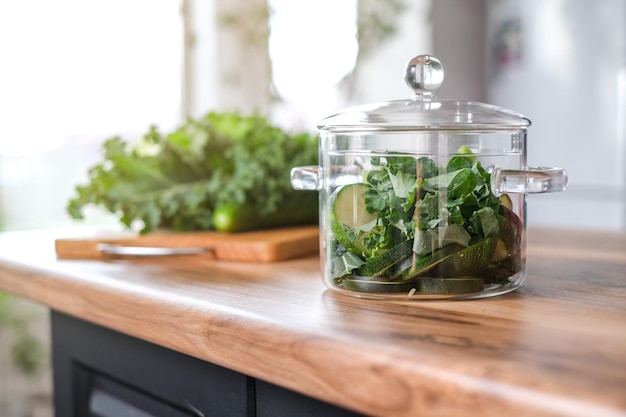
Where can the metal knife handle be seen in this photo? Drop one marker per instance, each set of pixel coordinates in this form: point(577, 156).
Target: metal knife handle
point(116, 249)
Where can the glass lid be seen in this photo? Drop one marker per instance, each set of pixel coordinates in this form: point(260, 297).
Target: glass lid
point(424, 111)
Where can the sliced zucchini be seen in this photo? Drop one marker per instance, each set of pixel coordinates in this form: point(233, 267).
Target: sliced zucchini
point(506, 201)
point(373, 286)
point(501, 252)
point(507, 257)
point(509, 242)
point(469, 261)
point(379, 265)
point(415, 265)
point(349, 215)
point(349, 206)
point(461, 285)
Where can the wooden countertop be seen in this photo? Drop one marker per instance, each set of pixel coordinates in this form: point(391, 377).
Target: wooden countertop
point(555, 347)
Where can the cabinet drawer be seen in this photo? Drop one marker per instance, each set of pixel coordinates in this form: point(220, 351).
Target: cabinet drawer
point(98, 367)
point(274, 401)
point(106, 397)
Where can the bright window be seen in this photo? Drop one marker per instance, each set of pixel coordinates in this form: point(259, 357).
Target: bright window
point(73, 73)
point(86, 67)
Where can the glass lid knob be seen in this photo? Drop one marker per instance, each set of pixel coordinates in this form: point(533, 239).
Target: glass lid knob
point(423, 74)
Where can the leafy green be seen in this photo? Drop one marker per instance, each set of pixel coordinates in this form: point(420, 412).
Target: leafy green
point(176, 180)
point(427, 241)
point(344, 264)
point(484, 223)
point(446, 209)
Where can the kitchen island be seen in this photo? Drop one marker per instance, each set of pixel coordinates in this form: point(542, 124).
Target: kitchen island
point(267, 338)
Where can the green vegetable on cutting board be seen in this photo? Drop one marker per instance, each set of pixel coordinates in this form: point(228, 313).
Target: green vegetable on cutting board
point(223, 171)
point(412, 226)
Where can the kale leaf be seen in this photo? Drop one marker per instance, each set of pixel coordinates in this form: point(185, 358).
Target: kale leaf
point(416, 199)
point(176, 180)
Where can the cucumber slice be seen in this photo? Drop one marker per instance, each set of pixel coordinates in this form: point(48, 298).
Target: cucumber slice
point(410, 268)
point(462, 285)
point(379, 265)
point(507, 257)
point(509, 240)
point(348, 215)
point(349, 206)
point(470, 261)
point(502, 252)
point(511, 229)
point(509, 244)
point(505, 201)
point(381, 287)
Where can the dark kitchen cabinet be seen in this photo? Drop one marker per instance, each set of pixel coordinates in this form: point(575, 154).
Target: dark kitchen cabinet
point(99, 372)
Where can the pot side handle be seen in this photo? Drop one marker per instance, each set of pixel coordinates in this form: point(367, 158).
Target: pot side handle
point(305, 178)
point(534, 180)
point(530, 181)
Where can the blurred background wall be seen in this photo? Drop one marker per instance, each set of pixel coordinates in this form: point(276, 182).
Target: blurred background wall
point(82, 71)
point(563, 64)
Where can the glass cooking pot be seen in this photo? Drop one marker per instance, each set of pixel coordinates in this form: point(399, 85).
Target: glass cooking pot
point(424, 198)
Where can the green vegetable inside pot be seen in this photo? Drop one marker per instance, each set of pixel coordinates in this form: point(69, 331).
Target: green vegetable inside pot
point(413, 226)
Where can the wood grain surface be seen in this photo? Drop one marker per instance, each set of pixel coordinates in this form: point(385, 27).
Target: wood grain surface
point(555, 347)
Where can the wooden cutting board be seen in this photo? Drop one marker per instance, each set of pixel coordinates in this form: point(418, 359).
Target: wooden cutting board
point(257, 246)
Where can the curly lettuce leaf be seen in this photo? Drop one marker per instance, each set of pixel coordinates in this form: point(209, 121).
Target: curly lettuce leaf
point(176, 180)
